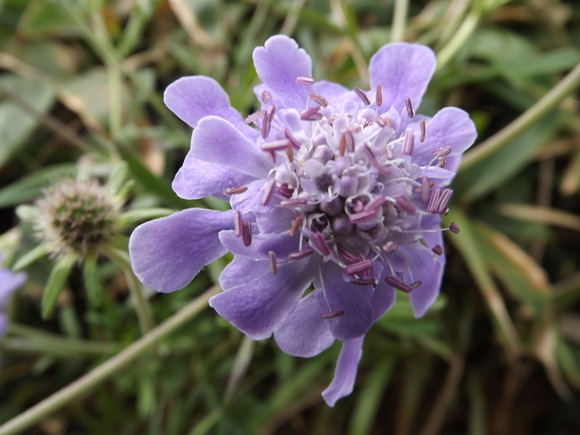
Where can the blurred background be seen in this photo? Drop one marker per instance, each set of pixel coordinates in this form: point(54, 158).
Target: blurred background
point(81, 85)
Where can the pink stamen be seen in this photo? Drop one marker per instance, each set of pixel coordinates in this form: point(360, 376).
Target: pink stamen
point(320, 243)
point(266, 97)
point(362, 216)
point(285, 190)
point(234, 190)
point(380, 121)
point(277, 145)
point(356, 268)
point(290, 152)
point(268, 191)
point(362, 281)
point(292, 139)
point(319, 99)
point(409, 143)
point(423, 127)
point(305, 80)
point(267, 123)
point(362, 96)
point(247, 232)
point(332, 314)
point(273, 262)
point(415, 285)
point(301, 254)
point(425, 186)
point(238, 223)
point(409, 105)
point(296, 225)
point(256, 115)
point(405, 204)
point(444, 200)
point(438, 250)
point(293, 202)
point(311, 114)
point(442, 162)
point(454, 228)
point(390, 247)
point(398, 284)
point(379, 95)
point(434, 200)
point(346, 254)
point(442, 152)
point(375, 203)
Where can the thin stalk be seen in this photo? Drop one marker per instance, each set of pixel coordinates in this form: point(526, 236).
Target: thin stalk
point(141, 304)
point(115, 99)
point(95, 377)
point(459, 39)
point(547, 103)
point(60, 343)
point(399, 20)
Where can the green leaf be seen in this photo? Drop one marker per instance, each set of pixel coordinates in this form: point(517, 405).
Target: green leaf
point(92, 281)
point(31, 256)
point(56, 281)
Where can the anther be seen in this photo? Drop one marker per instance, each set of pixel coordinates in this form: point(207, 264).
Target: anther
point(443, 201)
point(332, 314)
point(301, 254)
point(409, 108)
point(290, 152)
point(247, 232)
point(409, 143)
point(305, 80)
point(442, 162)
point(405, 204)
point(266, 97)
point(425, 186)
point(277, 145)
point(375, 203)
point(442, 152)
point(320, 243)
point(380, 121)
point(292, 139)
point(238, 223)
point(390, 246)
point(296, 225)
point(234, 190)
point(379, 95)
point(342, 145)
point(267, 123)
point(362, 281)
point(415, 285)
point(346, 254)
point(423, 126)
point(285, 190)
point(438, 250)
point(362, 96)
point(398, 284)
point(319, 99)
point(311, 114)
point(293, 202)
point(434, 200)
point(362, 216)
point(361, 266)
point(273, 262)
point(268, 191)
point(256, 115)
point(389, 122)
point(454, 228)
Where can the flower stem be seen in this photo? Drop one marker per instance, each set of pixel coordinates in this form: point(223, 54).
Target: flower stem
point(459, 39)
point(141, 304)
point(399, 20)
point(105, 370)
point(524, 121)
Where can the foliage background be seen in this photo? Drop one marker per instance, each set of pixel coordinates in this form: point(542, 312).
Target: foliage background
point(80, 90)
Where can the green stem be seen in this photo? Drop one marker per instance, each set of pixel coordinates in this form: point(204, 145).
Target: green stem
point(399, 20)
point(58, 343)
point(141, 304)
point(105, 370)
point(459, 39)
point(524, 121)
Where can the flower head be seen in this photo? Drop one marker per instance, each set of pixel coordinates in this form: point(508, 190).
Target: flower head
point(339, 188)
point(9, 282)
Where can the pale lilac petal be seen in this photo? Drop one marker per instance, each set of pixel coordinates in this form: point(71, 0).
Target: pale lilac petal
point(215, 140)
point(278, 63)
point(345, 373)
point(383, 297)
point(329, 90)
point(338, 295)
point(9, 282)
point(281, 244)
point(194, 97)
point(404, 70)
point(197, 179)
point(257, 307)
point(241, 271)
point(3, 324)
point(450, 127)
point(167, 253)
point(303, 332)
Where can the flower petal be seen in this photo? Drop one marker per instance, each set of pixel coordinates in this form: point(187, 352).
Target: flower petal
point(198, 179)
point(383, 297)
point(278, 63)
point(303, 332)
point(450, 127)
point(194, 97)
point(215, 140)
point(236, 272)
point(404, 71)
point(167, 253)
point(338, 295)
point(345, 373)
point(257, 307)
point(281, 244)
point(329, 90)
point(9, 282)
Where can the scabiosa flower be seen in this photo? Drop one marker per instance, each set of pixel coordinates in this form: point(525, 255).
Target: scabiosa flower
point(9, 282)
point(338, 188)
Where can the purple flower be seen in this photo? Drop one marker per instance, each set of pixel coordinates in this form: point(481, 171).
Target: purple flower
point(337, 188)
point(9, 282)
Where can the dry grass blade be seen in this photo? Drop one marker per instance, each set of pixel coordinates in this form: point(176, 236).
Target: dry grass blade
point(541, 215)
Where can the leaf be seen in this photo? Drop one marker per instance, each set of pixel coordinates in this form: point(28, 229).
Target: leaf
point(16, 124)
point(92, 282)
point(56, 281)
point(542, 215)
